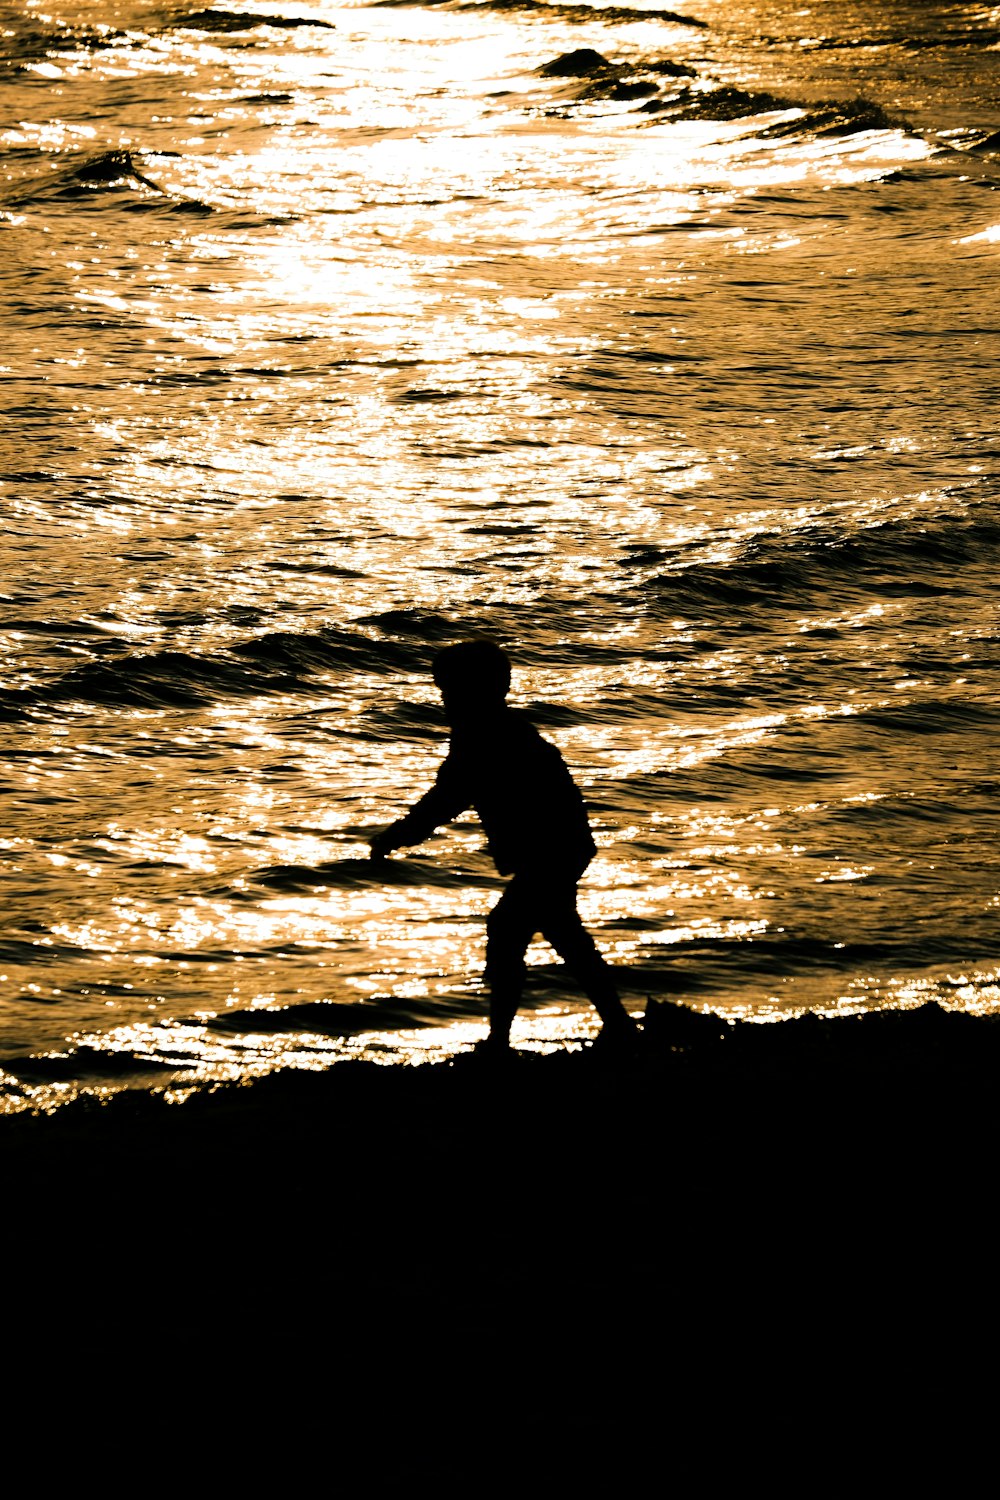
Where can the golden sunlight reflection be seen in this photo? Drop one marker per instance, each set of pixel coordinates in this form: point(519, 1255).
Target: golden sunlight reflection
point(403, 340)
point(988, 236)
point(191, 1056)
point(164, 846)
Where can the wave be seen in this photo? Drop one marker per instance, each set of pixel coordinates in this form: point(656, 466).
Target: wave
point(354, 874)
point(332, 1019)
point(179, 1053)
point(558, 12)
point(932, 716)
point(322, 1018)
point(275, 662)
point(598, 77)
point(941, 37)
point(113, 177)
point(421, 625)
point(89, 1064)
point(35, 41)
point(16, 704)
point(834, 117)
point(280, 661)
point(289, 662)
point(911, 558)
point(112, 169)
point(216, 20)
point(828, 117)
point(703, 966)
point(584, 62)
point(163, 679)
point(331, 649)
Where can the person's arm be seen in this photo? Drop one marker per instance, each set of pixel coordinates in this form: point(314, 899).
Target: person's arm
point(448, 797)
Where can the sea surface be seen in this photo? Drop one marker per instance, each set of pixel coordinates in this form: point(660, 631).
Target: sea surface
point(334, 333)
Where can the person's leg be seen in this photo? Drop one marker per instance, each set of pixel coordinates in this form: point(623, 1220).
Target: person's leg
point(510, 927)
point(563, 929)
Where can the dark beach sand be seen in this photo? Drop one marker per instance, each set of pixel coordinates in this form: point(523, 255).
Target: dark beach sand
point(718, 1151)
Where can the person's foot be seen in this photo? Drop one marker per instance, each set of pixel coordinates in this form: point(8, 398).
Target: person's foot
point(617, 1038)
point(493, 1049)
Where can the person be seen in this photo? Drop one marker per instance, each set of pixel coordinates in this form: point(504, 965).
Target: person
point(536, 828)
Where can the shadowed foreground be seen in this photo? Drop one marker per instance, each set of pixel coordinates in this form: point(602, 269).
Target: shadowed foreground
point(710, 1144)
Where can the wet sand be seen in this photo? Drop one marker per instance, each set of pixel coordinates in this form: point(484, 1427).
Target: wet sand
point(712, 1151)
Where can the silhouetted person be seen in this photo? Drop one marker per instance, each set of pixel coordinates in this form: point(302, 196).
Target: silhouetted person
point(536, 826)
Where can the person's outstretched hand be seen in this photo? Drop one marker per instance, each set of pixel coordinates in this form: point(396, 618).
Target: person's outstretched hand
point(380, 845)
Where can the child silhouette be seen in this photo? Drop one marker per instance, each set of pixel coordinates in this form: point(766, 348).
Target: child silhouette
point(536, 827)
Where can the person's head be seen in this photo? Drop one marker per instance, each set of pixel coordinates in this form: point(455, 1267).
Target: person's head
point(473, 678)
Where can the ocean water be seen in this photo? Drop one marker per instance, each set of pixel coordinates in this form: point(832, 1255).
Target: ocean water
point(334, 333)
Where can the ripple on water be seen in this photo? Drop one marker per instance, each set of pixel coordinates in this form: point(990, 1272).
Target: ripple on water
point(327, 346)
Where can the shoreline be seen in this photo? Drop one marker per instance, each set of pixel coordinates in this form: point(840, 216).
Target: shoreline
point(708, 1123)
point(681, 1052)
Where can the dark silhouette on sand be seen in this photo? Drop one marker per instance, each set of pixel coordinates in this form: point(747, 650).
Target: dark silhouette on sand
point(536, 827)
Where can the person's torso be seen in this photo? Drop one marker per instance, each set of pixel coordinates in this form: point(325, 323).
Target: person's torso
point(531, 810)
